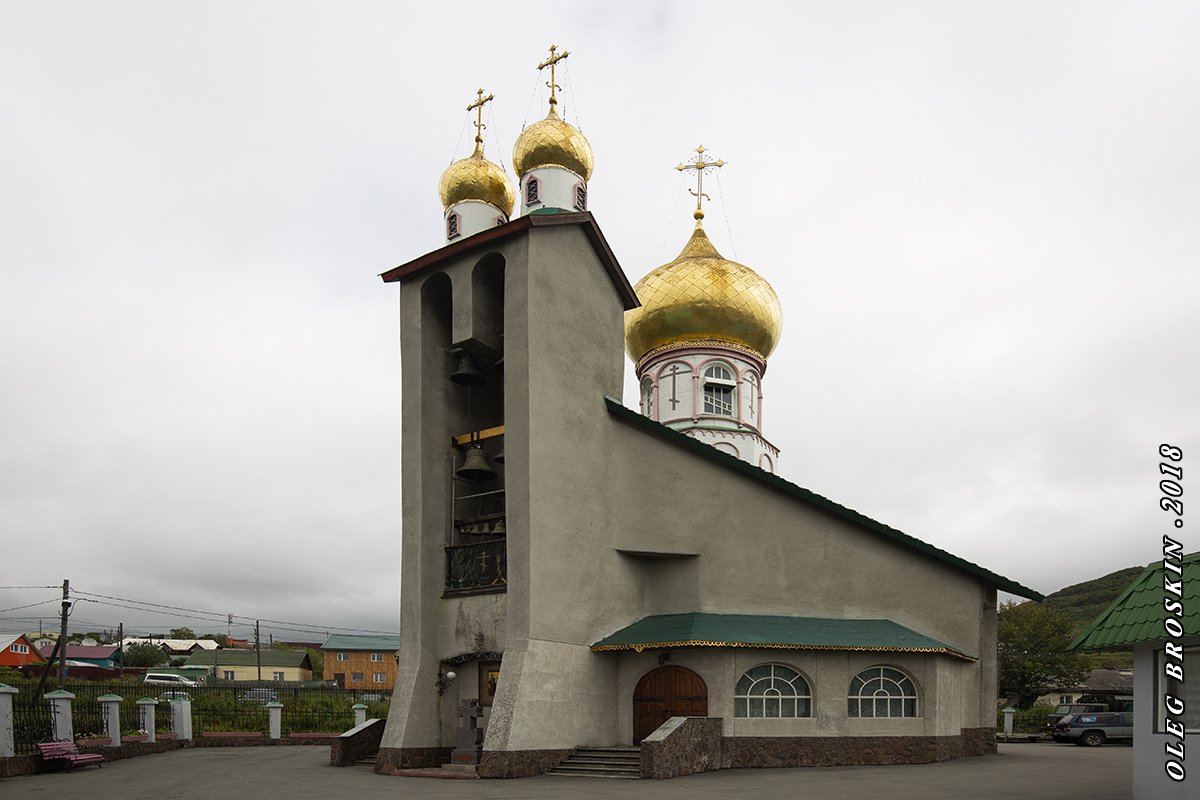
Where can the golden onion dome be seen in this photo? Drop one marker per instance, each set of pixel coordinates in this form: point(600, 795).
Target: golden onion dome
point(701, 297)
point(476, 178)
point(553, 142)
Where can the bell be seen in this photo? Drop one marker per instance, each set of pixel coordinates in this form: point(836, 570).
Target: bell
point(499, 529)
point(475, 465)
point(467, 373)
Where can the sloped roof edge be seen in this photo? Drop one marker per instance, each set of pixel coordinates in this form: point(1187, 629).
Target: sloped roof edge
point(1137, 614)
point(812, 498)
point(519, 225)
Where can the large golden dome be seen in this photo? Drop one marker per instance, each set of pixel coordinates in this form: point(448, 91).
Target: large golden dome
point(476, 178)
point(702, 297)
point(553, 142)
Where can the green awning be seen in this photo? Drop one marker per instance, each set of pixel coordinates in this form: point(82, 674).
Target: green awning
point(787, 633)
point(1138, 614)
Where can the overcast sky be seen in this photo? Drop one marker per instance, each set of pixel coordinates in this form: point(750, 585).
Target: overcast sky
point(980, 218)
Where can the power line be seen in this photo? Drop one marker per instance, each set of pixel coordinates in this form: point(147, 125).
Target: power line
point(31, 605)
point(316, 627)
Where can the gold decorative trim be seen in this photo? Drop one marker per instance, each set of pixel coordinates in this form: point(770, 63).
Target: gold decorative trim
point(637, 648)
point(725, 343)
point(556, 166)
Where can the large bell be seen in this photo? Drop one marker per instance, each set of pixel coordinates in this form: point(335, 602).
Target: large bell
point(475, 465)
point(468, 373)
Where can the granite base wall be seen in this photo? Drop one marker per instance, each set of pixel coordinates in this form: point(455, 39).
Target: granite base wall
point(694, 746)
point(393, 758)
point(519, 763)
point(347, 748)
point(845, 751)
point(33, 764)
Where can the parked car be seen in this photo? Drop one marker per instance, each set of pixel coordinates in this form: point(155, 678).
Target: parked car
point(1093, 730)
point(260, 696)
point(168, 679)
point(1063, 709)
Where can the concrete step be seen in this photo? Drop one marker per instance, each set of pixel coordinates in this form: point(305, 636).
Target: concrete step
point(456, 772)
point(602, 762)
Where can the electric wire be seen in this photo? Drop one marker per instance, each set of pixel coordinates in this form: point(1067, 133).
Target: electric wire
point(725, 213)
point(30, 605)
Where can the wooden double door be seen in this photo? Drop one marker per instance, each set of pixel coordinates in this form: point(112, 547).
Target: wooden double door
point(664, 693)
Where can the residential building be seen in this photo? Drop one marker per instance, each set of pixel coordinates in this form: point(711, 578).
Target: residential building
point(16, 650)
point(250, 665)
point(361, 662)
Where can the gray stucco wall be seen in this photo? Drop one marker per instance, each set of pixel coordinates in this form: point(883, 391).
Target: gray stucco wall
point(1150, 780)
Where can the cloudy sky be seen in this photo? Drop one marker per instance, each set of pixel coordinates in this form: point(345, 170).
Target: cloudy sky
point(981, 220)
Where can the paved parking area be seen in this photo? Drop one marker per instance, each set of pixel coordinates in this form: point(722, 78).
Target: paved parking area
point(1019, 772)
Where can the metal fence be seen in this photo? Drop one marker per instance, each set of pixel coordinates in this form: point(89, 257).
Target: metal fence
point(230, 707)
point(1027, 720)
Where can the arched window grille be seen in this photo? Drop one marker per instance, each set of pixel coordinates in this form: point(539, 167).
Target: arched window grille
point(772, 690)
point(719, 389)
point(580, 197)
point(882, 692)
point(452, 228)
point(532, 192)
point(648, 398)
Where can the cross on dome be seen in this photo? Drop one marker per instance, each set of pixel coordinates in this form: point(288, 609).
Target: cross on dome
point(700, 165)
point(551, 62)
point(477, 106)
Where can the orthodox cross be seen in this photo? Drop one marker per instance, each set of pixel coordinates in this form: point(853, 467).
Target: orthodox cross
point(550, 62)
point(700, 165)
point(675, 371)
point(477, 106)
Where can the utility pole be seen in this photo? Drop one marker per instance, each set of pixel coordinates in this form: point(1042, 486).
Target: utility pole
point(121, 649)
point(228, 628)
point(62, 634)
point(257, 650)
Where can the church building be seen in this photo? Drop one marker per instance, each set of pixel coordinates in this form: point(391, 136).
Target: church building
point(577, 574)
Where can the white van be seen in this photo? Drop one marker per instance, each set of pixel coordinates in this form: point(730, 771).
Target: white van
point(168, 679)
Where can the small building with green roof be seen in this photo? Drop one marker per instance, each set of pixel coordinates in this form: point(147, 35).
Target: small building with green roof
point(1158, 617)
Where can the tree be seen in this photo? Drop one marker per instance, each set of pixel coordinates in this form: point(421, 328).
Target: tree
point(182, 633)
point(219, 638)
point(144, 654)
point(1032, 644)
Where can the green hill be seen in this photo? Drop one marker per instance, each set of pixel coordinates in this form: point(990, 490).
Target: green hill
point(1083, 602)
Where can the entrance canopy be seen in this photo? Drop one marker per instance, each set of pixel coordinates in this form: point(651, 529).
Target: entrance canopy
point(698, 629)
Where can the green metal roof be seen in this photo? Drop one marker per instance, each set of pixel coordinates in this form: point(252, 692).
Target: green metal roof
point(343, 641)
point(248, 658)
point(812, 498)
point(786, 633)
point(1137, 615)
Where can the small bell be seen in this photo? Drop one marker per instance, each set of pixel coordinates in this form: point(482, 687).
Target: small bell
point(468, 373)
point(475, 465)
point(499, 529)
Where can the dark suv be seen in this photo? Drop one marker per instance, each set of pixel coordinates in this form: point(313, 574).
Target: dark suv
point(1095, 728)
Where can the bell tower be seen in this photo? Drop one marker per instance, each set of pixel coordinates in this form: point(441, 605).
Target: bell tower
point(511, 339)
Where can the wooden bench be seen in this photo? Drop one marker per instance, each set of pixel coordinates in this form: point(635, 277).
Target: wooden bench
point(67, 751)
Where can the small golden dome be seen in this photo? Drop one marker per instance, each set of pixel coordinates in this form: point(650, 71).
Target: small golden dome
point(476, 178)
point(702, 296)
point(553, 142)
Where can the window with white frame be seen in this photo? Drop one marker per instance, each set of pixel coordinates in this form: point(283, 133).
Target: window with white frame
point(343, 656)
point(719, 389)
point(452, 228)
point(228, 674)
point(20, 648)
point(277, 676)
point(380, 677)
point(377, 656)
point(882, 692)
point(772, 690)
point(648, 398)
point(356, 676)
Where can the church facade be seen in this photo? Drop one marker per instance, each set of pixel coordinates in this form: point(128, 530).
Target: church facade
point(586, 572)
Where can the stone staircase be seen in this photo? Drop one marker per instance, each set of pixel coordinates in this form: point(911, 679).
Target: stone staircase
point(602, 762)
point(366, 761)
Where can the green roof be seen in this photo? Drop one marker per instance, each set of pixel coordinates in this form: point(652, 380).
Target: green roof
point(1137, 615)
point(733, 462)
point(344, 641)
point(787, 633)
point(248, 658)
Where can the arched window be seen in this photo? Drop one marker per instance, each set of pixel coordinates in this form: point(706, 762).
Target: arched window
point(882, 692)
point(581, 197)
point(766, 464)
point(772, 690)
point(648, 398)
point(452, 228)
point(719, 390)
point(501, 220)
point(752, 398)
point(532, 194)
